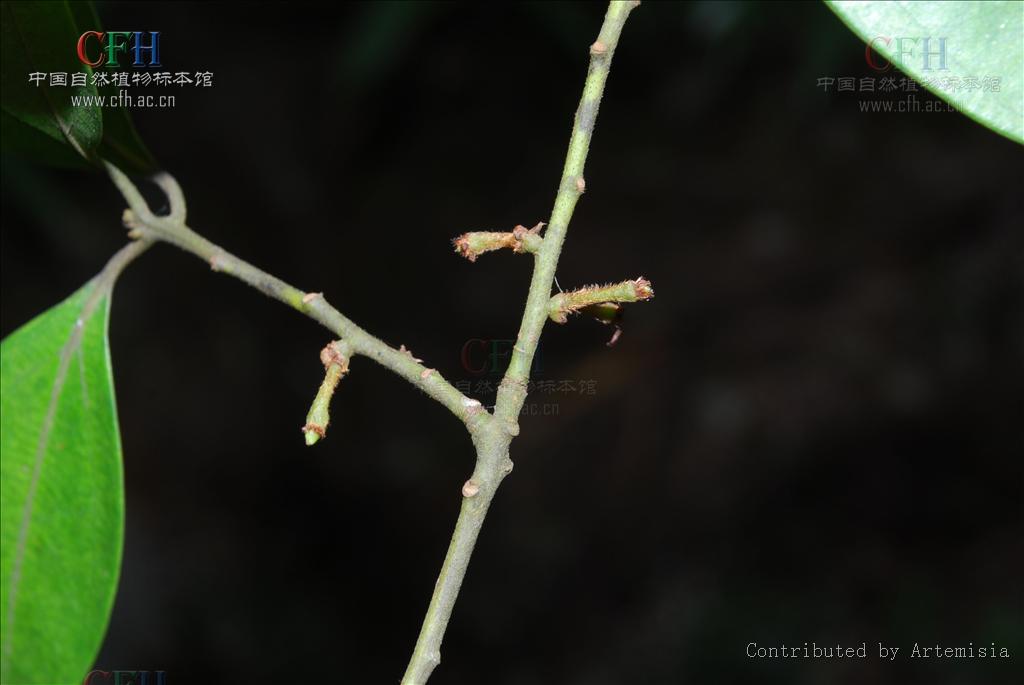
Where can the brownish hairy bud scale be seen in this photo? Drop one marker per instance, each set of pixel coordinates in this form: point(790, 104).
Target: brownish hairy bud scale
point(407, 352)
point(644, 290)
point(472, 245)
point(321, 431)
point(528, 239)
point(520, 239)
point(333, 353)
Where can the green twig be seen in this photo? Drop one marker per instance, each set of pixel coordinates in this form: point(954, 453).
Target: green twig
point(171, 229)
point(520, 239)
point(335, 360)
point(563, 304)
point(491, 434)
point(512, 392)
point(492, 444)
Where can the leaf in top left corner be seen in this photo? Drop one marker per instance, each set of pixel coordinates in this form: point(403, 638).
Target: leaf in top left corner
point(41, 117)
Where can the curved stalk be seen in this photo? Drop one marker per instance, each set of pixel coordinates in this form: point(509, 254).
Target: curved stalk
point(143, 224)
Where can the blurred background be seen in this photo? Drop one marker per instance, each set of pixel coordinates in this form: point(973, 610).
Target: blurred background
point(811, 434)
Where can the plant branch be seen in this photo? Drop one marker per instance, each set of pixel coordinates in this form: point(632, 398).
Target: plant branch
point(520, 239)
point(335, 360)
point(563, 304)
point(492, 443)
point(512, 391)
point(491, 435)
point(146, 226)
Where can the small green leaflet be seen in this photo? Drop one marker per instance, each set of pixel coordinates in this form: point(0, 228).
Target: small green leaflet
point(61, 491)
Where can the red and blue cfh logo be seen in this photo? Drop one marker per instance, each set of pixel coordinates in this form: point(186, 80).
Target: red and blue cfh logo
point(107, 47)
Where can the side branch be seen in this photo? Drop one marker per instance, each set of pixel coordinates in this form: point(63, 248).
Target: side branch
point(563, 304)
point(335, 360)
point(520, 239)
point(146, 226)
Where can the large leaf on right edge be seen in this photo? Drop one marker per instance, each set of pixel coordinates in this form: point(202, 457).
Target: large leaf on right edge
point(61, 492)
point(983, 39)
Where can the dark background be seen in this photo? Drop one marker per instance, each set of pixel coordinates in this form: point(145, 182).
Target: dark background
point(812, 433)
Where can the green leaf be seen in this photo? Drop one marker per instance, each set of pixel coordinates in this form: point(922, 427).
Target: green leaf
point(61, 491)
point(40, 37)
point(32, 144)
point(121, 142)
point(982, 39)
point(40, 121)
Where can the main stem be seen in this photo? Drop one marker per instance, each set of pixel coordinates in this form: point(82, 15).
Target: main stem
point(492, 441)
point(491, 434)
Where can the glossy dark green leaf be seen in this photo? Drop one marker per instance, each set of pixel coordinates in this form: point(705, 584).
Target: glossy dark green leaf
point(33, 145)
point(121, 142)
point(62, 504)
point(41, 121)
point(983, 40)
point(40, 37)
